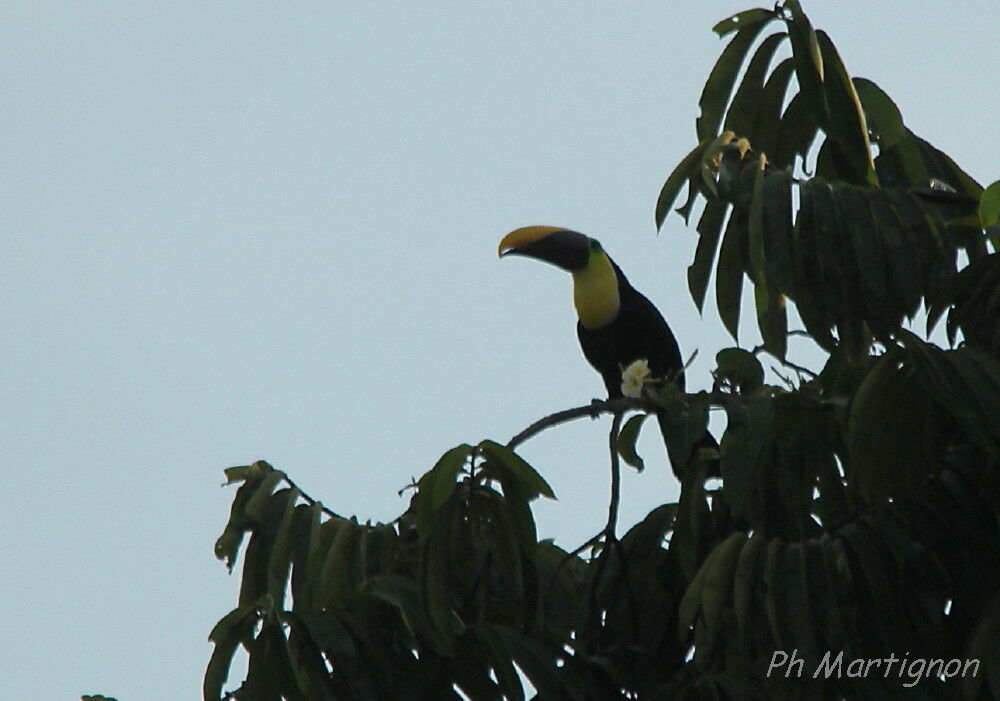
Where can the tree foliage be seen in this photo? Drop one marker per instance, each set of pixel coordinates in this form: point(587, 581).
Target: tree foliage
point(852, 510)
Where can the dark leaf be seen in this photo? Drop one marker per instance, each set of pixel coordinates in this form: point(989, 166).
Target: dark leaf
point(808, 62)
point(682, 172)
point(847, 125)
point(795, 133)
point(810, 291)
point(502, 663)
point(527, 478)
point(254, 509)
point(437, 486)
point(742, 114)
point(228, 633)
point(777, 230)
point(709, 229)
point(764, 135)
point(881, 114)
point(748, 432)
point(749, 569)
point(740, 368)
point(627, 440)
point(741, 20)
point(281, 549)
point(989, 205)
point(719, 85)
point(770, 303)
point(729, 274)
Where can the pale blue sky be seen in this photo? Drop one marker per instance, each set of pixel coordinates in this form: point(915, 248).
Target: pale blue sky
point(242, 230)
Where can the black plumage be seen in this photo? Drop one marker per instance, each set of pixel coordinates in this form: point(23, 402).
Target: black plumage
point(638, 331)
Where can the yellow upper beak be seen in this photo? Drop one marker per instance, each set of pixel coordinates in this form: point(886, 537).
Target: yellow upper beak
point(524, 236)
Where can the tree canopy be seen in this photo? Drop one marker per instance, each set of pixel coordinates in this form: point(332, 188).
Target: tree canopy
point(854, 509)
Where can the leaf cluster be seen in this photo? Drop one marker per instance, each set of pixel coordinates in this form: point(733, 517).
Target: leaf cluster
point(854, 509)
point(798, 203)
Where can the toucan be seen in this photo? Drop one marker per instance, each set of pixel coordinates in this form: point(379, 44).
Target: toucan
point(616, 324)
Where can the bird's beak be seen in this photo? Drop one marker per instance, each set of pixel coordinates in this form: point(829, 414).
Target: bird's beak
point(569, 250)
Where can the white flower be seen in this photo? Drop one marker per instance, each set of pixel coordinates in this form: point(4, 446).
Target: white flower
point(634, 377)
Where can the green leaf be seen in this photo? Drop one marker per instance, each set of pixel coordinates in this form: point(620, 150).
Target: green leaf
point(902, 276)
point(403, 594)
point(307, 555)
point(777, 230)
point(713, 164)
point(741, 20)
point(538, 661)
point(627, 440)
point(512, 464)
point(234, 628)
point(437, 485)
point(949, 388)
point(711, 586)
point(764, 135)
point(810, 294)
point(441, 478)
point(847, 124)
point(228, 544)
point(745, 577)
point(307, 658)
point(772, 319)
point(683, 423)
point(871, 569)
point(755, 225)
point(773, 606)
point(770, 303)
point(742, 113)
point(729, 273)
point(709, 229)
point(719, 85)
point(436, 586)
point(254, 510)
point(749, 430)
point(683, 171)
point(826, 253)
point(503, 666)
point(740, 367)
point(795, 134)
point(808, 62)
point(869, 259)
point(269, 672)
point(692, 536)
point(241, 472)
point(881, 113)
point(989, 205)
point(340, 574)
point(281, 549)
point(718, 585)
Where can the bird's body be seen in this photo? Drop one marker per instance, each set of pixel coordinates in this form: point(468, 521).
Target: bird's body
point(616, 323)
point(638, 331)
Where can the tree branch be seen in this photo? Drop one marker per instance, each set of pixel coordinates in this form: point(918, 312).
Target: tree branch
point(606, 406)
point(593, 410)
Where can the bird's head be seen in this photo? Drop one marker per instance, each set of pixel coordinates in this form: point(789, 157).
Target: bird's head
point(595, 280)
point(569, 250)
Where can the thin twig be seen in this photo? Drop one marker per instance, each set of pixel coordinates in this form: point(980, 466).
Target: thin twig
point(798, 368)
point(610, 537)
point(309, 500)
